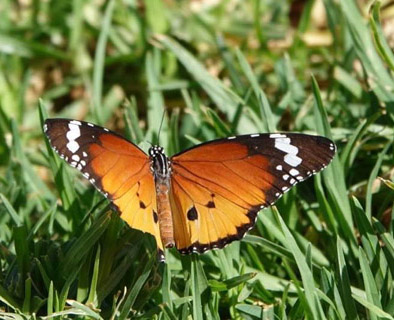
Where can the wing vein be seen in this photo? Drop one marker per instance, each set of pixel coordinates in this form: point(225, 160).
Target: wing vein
point(179, 207)
point(110, 168)
point(248, 182)
point(199, 184)
point(124, 182)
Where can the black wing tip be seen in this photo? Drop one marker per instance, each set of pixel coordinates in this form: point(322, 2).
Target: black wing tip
point(54, 120)
point(50, 122)
point(330, 146)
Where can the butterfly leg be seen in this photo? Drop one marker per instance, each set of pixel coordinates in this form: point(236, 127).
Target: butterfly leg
point(160, 255)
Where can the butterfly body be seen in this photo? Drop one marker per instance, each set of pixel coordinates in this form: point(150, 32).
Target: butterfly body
point(199, 199)
point(161, 170)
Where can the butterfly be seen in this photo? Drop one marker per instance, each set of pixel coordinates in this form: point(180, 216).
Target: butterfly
point(199, 199)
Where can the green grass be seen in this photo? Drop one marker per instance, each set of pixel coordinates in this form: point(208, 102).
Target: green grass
point(325, 251)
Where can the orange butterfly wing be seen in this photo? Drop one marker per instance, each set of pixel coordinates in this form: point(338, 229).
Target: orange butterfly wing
point(219, 187)
point(114, 165)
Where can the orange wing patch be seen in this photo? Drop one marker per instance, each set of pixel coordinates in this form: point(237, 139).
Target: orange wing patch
point(115, 166)
point(138, 208)
point(130, 187)
point(213, 204)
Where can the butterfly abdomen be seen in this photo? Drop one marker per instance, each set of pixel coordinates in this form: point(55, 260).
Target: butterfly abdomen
point(164, 212)
point(162, 172)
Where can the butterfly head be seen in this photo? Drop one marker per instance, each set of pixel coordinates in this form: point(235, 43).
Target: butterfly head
point(155, 150)
point(160, 164)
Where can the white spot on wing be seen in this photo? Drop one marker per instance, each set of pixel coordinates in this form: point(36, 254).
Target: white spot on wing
point(283, 143)
point(277, 135)
point(90, 124)
point(285, 177)
point(73, 146)
point(71, 135)
point(279, 168)
point(78, 123)
point(230, 138)
point(255, 135)
point(286, 147)
point(292, 160)
point(294, 172)
point(75, 157)
point(84, 154)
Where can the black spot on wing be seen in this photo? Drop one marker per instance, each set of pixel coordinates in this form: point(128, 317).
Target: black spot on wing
point(192, 214)
point(210, 204)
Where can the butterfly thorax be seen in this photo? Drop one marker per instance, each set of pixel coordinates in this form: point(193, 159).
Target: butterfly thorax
point(161, 169)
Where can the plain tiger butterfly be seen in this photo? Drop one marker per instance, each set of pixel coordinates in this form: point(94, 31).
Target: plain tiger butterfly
point(202, 198)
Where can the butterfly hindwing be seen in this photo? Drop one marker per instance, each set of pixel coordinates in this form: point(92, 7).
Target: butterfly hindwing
point(219, 187)
point(204, 216)
point(114, 165)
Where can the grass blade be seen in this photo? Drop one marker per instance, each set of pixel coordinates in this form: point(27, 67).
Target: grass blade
point(132, 295)
point(313, 305)
point(13, 214)
point(99, 61)
point(344, 284)
point(265, 109)
point(226, 100)
point(379, 37)
point(372, 177)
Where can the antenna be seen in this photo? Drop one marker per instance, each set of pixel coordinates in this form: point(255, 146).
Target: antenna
point(161, 124)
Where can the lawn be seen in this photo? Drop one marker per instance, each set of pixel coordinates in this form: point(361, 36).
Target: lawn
point(213, 69)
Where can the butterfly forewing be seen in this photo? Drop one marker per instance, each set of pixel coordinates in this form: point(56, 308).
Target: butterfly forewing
point(114, 165)
point(219, 187)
